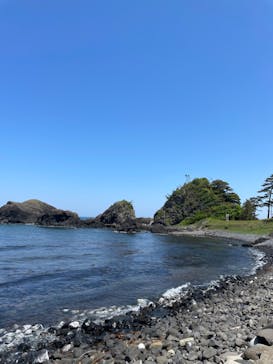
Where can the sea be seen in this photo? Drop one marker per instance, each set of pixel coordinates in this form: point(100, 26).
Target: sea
point(45, 273)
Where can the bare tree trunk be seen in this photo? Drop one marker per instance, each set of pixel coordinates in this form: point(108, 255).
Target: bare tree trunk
point(269, 203)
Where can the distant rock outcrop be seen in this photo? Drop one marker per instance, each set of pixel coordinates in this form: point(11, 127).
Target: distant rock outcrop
point(36, 212)
point(60, 218)
point(24, 212)
point(117, 214)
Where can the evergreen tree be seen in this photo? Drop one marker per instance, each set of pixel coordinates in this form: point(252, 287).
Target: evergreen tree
point(266, 198)
point(249, 209)
point(223, 190)
point(197, 200)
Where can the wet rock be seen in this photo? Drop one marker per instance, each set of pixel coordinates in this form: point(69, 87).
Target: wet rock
point(24, 347)
point(91, 328)
point(260, 240)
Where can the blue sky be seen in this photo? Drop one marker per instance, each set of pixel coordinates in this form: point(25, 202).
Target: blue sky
point(106, 100)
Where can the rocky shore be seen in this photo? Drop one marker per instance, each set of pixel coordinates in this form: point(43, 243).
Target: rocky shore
point(217, 324)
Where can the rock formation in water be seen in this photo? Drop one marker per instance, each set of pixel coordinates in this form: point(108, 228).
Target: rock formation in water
point(117, 214)
point(60, 218)
point(120, 216)
point(36, 212)
point(24, 212)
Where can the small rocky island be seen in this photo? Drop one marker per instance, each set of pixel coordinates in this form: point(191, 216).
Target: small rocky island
point(38, 213)
point(119, 216)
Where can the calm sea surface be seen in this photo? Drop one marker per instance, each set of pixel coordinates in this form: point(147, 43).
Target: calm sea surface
point(44, 270)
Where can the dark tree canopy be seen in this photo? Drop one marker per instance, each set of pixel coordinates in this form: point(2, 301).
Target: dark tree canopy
point(249, 209)
point(266, 195)
point(224, 191)
point(199, 199)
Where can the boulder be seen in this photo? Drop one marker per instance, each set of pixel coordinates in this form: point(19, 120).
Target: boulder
point(257, 351)
point(265, 335)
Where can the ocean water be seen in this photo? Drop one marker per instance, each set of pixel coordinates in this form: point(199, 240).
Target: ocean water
point(46, 270)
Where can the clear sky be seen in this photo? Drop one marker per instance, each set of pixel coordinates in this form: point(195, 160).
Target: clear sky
point(108, 100)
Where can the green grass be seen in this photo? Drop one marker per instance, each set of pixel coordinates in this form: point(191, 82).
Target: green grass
point(260, 227)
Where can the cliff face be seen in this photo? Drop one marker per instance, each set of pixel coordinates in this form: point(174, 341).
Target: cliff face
point(36, 212)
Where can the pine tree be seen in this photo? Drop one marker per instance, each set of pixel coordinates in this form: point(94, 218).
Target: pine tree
point(266, 198)
point(249, 209)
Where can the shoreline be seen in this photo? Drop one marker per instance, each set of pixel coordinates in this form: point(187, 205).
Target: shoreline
point(247, 238)
point(154, 334)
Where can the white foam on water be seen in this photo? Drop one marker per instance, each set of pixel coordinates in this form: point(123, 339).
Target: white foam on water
point(260, 259)
point(173, 294)
point(101, 314)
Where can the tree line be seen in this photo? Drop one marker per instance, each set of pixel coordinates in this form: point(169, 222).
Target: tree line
point(263, 199)
point(200, 198)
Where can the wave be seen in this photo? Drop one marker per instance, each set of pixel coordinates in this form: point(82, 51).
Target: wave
point(260, 259)
point(99, 315)
point(172, 294)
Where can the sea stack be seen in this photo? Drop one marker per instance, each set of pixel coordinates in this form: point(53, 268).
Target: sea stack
point(36, 212)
